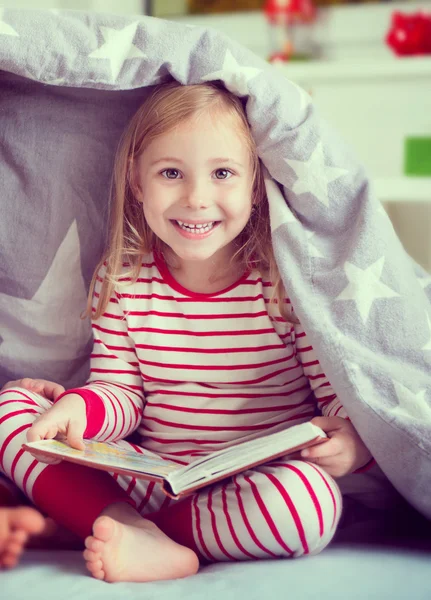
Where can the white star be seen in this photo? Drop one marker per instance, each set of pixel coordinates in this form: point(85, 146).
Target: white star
point(5, 28)
point(428, 344)
point(412, 405)
point(313, 250)
point(425, 281)
point(304, 97)
point(279, 211)
point(313, 175)
point(234, 76)
point(365, 286)
point(118, 47)
point(48, 327)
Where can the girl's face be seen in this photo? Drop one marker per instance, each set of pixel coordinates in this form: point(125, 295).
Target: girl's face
point(195, 183)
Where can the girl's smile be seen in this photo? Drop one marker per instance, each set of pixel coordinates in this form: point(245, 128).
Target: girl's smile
point(197, 231)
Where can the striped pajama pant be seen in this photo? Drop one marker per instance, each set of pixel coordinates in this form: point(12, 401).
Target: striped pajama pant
point(285, 508)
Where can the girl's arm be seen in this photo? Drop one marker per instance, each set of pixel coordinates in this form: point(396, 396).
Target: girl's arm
point(345, 452)
point(113, 394)
point(327, 400)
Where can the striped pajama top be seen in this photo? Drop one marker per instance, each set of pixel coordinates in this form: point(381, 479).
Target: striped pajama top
point(193, 373)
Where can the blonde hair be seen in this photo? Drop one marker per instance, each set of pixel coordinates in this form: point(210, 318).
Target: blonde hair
point(130, 237)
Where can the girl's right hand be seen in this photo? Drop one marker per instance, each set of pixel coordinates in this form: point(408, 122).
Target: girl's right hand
point(47, 389)
point(66, 420)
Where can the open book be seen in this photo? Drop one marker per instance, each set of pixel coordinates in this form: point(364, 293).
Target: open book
point(179, 480)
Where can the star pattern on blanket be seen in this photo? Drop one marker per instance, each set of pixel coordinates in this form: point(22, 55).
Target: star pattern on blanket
point(5, 28)
point(304, 97)
point(425, 282)
point(410, 404)
point(279, 211)
point(365, 287)
point(62, 291)
point(234, 76)
point(313, 175)
point(312, 249)
point(428, 344)
point(118, 47)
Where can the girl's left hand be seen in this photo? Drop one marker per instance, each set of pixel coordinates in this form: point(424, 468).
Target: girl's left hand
point(344, 451)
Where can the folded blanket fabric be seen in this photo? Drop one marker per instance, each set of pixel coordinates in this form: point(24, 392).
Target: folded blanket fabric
point(69, 82)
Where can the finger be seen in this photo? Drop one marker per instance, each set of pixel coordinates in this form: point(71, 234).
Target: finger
point(325, 461)
point(295, 455)
point(49, 460)
point(331, 447)
point(27, 383)
point(41, 386)
point(75, 434)
point(40, 430)
point(57, 391)
point(328, 423)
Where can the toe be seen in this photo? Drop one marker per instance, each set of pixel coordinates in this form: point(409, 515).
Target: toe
point(96, 569)
point(88, 542)
point(19, 536)
point(14, 548)
point(99, 574)
point(10, 560)
point(27, 518)
point(95, 565)
point(89, 555)
point(93, 544)
point(103, 528)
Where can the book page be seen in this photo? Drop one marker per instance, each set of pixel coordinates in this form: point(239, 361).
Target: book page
point(245, 455)
point(106, 454)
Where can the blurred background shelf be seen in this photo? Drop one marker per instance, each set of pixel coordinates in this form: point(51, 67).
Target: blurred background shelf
point(403, 189)
point(381, 69)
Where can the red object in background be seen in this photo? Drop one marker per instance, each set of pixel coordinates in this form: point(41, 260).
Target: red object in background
point(410, 35)
point(290, 21)
point(290, 11)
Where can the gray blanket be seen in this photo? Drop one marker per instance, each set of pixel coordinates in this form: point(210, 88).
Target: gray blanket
point(69, 83)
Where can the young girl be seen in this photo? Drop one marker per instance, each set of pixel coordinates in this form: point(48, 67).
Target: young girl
point(196, 347)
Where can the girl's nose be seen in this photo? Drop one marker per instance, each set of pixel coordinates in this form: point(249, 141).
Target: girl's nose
point(197, 195)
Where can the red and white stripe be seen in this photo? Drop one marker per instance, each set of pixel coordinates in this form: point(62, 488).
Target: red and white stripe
point(214, 368)
point(193, 373)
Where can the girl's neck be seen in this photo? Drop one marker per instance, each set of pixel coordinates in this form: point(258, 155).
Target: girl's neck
point(204, 277)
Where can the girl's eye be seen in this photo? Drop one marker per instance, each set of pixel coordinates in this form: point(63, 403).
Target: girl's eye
point(170, 173)
point(223, 174)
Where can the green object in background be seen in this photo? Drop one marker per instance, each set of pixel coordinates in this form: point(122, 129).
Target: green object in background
point(417, 156)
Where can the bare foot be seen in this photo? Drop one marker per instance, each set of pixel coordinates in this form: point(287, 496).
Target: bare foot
point(134, 549)
point(17, 524)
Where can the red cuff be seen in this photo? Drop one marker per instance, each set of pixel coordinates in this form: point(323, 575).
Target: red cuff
point(366, 467)
point(94, 407)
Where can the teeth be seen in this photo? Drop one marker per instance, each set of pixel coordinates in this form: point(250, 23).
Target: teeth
point(201, 227)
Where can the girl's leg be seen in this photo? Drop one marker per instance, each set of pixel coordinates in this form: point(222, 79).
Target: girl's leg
point(282, 509)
